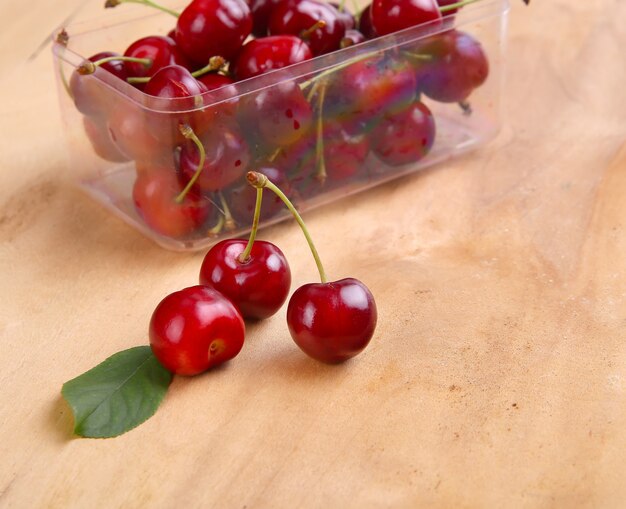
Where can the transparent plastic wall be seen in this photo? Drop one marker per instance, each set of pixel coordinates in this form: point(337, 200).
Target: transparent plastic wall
point(322, 129)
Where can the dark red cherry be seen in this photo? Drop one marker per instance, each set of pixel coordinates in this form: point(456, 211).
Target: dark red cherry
point(195, 329)
point(213, 81)
point(404, 137)
point(344, 152)
point(226, 98)
point(91, 96)
point(389, 16)
point(261, 10)
point(241, 197)
point(365, 23)
point(213, 27)
point(174, 82)
point(281, 114)
point(332, 322)
point(345, 16)
point(154, 196)
point(259, 286)
point(227, 159)
point(351, 38)
point(459, 66)
point(297, 18)
point(101, 141)
point(259, 56)
point(161, 50)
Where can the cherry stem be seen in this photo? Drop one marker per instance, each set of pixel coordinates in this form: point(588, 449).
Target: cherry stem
point(217, 229)
point(188, 133)
point(346, 42)
point(245, 256)
point(336, 68)
point(342, 6)
point(259, 180)
point(306, 34)
point(148, 3)
point(215, 64)
point(321, 174)
point(89, 67)
point(229, 222)
point(62, 39)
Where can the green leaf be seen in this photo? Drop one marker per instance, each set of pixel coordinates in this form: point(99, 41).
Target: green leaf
point(118, 394)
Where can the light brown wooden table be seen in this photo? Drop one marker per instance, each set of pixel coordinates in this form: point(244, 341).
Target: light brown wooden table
point(497, 376)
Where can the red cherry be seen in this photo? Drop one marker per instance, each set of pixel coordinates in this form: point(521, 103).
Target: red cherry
point(332, 322)
point(195, 329)
point(298, 18)
point(259, 286)
point(161, 50)
point(227, 159)
point(91, 96)
point(175, 82)
point(344, 152)
point(459, 66)
point(226, 98)
point(390, 16)
point(444, 3)
point(345, 16)
point(281, 113)
point(365, 23)
point(213, 27)
point(261, 11)
point(154, 194)
point(101, 141)
point(259, 56)
point(213, 81)
point(405, 137)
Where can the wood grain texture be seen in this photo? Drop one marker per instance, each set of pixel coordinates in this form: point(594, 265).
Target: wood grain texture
point(497, 376)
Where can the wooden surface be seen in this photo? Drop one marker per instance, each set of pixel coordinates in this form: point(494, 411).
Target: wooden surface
point(497, 376)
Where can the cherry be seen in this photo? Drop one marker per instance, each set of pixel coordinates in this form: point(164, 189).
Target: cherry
point(101, 141)
point(344, 152)
point(332, 322)
point(214, 81)
point(390, 16)
point(213, 27)
point(255, 276)
point(345, 16)
point(329, 321)
point(444, 3)
point(351, 38)
point(365, 23)
point(261, 11)
point(405, 137)
point(281, 113)
point(162, 51)
point(459, 66)
point(156, 196)
point(216, 161)
point(317, 22)
point(195, 329)
point(259, 56)
point(175, 82)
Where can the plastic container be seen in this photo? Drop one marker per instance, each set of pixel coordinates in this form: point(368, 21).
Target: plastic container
point(327, 125)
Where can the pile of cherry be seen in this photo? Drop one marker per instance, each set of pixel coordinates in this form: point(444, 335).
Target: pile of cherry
point(194, 137)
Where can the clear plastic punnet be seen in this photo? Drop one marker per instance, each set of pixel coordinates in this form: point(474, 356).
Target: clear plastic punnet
point(322, 129)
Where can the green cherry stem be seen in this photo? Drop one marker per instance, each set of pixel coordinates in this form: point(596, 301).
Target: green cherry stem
point(148, 3)
point(243, 257)
point(215, 64)
point(306, 34)
point(229, 222)
point(188, 133)
point(259, 180)
point(89, 67)
point(319, 143)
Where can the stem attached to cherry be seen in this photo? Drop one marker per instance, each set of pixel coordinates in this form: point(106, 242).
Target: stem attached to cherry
point(259, 180)
point(89, 67)
point(148, 3)
point(216, 63)
point(188, 133)
point(245, 256)
point(306, 34)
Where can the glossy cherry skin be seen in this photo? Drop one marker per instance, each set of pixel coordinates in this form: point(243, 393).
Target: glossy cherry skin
point(351, 38)
point(389, 16)
point(257, 287)
point(296, 17)
point(90, 95)
point(161, 50)
point(405, 137)
point(259, 56)
point(207, 28)
point(195, 329)
point(332, 322)
point(174, 82)
point(227, 159)
point(345, 16)
point(154, 195)
point(365, 23)
point(460, 65)
point(101, 141)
